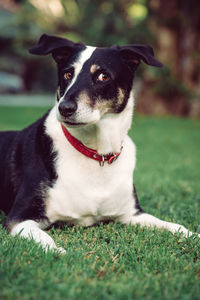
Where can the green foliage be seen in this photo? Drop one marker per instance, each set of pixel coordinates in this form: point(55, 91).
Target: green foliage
point(114, 261)
point(106, 23)
point(169, 86)
point(99, 23)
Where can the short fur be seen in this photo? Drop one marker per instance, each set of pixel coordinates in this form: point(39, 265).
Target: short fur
point(44, 179)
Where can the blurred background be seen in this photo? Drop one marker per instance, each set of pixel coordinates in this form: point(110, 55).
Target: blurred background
point(172, 27)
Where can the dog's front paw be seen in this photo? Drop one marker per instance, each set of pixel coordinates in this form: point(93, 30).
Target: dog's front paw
point(60, 250)
point(181, 229)
point(194, 234)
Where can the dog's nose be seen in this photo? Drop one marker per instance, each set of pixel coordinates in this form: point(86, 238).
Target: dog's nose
point(67, 108)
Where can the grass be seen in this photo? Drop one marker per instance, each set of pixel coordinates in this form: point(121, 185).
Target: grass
point(114, 261)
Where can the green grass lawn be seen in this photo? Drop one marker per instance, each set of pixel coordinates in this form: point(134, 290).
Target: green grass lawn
point(114, 261)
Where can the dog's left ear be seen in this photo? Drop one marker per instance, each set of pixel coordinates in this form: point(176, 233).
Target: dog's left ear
point(135, 53)
point(60, 48)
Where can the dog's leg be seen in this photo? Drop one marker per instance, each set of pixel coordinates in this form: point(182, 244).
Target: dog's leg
point(30, 229)
point(145, 219)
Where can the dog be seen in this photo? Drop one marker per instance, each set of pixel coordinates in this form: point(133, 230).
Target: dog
point(76, 163)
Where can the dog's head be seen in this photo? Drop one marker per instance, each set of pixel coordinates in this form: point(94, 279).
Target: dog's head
point(92, 81)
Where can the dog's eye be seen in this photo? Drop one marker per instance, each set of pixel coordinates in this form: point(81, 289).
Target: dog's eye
point(68, 75)
point(103, 77)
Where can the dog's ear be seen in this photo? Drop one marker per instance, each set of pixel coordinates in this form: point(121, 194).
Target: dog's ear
point(60, 48)
point(135, 53)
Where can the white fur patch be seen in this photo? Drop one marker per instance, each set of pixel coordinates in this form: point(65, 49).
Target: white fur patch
point(30, 229)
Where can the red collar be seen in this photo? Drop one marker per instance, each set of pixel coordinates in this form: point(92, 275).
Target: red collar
point(91, 153)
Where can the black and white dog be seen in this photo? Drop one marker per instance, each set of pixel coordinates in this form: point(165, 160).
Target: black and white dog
point(76, 163)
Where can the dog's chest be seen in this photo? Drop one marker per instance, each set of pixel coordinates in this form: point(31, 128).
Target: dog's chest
point(85, 193)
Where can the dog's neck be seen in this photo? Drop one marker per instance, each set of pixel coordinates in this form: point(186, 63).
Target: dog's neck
point(108, 134)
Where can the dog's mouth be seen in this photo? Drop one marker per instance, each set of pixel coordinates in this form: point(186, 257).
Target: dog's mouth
point(74, 124)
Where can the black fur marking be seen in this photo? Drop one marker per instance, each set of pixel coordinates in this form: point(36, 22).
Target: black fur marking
point(60, 48)
point(27, 170)
point(6, 190)
point(135, 53)
point(137, 205)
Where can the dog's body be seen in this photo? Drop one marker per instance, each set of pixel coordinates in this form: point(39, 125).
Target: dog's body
point(44, 179)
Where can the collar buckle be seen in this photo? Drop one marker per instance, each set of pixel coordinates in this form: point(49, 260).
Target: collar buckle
point(113, 158)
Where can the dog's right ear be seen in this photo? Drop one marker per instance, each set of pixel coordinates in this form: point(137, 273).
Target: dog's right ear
point(135, 53)
point(60, 48)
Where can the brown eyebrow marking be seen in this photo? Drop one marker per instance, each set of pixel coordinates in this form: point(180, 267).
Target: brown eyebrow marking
point(94, 68)
point(120, 96)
